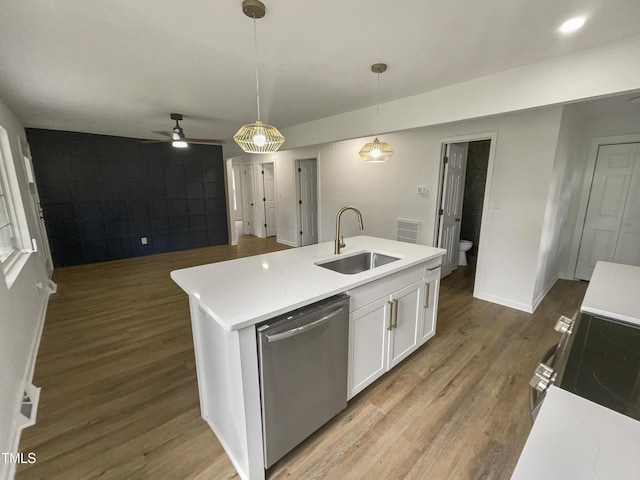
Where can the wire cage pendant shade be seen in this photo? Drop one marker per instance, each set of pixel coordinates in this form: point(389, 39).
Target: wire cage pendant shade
point(257, 137)
point(377, 151)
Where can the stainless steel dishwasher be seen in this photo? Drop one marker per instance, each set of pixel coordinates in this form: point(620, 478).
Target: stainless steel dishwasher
point(303, 372)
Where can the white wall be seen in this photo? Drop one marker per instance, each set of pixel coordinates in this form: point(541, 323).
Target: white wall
point(594, 72)
point(524, 157)
point(22, 308)
point(598, 129)
point(562, 202)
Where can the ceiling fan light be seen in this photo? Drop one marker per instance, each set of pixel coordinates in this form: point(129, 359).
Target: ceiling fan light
point(376, 152)
point(179, 144)
point(259, 137)
point(177, 134)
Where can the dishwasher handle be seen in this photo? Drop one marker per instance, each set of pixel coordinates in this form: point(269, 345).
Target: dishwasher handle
point(304, 328)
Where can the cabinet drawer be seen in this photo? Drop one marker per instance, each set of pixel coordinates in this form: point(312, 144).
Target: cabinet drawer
point(370, 292)
point(434, 263)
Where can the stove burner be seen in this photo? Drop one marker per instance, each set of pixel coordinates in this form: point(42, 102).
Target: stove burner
point(620, 338)
point(620, 381)
point(603, 364)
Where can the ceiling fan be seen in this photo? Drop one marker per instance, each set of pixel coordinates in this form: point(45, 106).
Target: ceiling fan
point(178, 138)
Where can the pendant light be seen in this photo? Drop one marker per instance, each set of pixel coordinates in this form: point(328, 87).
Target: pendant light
point(257, 137)
point(178, 140)
point(377, 151)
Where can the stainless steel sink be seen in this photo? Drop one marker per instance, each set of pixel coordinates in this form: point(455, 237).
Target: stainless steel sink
point(358, 262)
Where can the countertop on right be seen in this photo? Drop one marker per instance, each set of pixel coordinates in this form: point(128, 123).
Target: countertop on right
point(614, 292)
point(576, 439)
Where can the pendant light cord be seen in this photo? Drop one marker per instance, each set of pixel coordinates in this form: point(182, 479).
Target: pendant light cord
point(255, 41)
point(378, 105)
point(378, 98)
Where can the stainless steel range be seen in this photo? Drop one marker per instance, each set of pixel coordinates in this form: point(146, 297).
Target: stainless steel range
point(598, 356)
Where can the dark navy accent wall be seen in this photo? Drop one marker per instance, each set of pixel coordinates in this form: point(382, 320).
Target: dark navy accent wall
point(100, 195)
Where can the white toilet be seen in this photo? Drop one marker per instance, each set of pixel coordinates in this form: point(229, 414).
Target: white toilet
point(465, 245)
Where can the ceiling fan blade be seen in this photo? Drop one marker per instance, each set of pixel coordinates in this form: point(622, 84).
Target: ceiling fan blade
point(147, 140)
point(210, 141)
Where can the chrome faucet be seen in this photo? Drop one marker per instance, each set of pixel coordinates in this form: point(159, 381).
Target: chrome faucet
point(339, 243)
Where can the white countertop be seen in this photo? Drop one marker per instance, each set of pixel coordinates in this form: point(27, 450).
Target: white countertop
point(243, 292)
point(614, 292)
point(574, 438)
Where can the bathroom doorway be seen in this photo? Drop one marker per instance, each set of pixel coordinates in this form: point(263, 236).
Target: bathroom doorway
point(307, 200)
point(463, 180)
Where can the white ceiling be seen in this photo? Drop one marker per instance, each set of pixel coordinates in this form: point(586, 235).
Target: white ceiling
point(120, 67)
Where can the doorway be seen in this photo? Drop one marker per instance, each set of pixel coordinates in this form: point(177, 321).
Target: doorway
point(463, 182)
point(237, 201)
point(611, 230)
point(307, 196)
point(248, 200)
point(269, 198)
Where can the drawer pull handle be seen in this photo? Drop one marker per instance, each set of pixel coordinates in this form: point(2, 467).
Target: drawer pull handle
point(390, 327)
point(395, 317)
point(426, 295)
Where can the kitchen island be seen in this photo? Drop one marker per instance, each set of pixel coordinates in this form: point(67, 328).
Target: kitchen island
point(228, 299)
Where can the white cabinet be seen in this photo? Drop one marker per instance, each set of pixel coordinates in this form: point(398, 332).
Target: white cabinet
point(431, 294)
point(388, 321)
point(406, 315)
point(368, 344)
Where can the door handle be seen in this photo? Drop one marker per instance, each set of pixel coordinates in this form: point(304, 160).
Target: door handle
point(304, 328)
point(390, 327)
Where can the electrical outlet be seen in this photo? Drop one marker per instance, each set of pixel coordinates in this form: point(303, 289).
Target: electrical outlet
point(143, 240)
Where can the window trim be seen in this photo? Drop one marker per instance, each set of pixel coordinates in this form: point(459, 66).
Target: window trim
point(13, 264)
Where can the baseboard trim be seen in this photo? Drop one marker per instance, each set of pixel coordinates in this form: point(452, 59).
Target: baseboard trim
point(286, 242)
point(523, 307)
point(8, 470)
point(540, 297)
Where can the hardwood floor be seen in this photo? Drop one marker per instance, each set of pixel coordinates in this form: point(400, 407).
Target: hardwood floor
point(119, 393)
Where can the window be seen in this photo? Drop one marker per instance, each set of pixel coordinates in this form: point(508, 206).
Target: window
point(8, 241)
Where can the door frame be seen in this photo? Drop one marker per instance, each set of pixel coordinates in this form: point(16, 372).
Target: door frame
point(486, 203)
point(296, 160)
point(590, 170)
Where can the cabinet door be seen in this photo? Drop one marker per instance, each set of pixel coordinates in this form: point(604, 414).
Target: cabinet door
point(368, 346)
point(407, 318)
point(430, 306)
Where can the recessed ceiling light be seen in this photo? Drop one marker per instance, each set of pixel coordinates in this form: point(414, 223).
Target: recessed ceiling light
point(572, 25)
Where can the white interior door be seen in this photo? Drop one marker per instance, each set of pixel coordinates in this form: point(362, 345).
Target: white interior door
point(269, 199)
point(248, 190)
point(307, 201)
point(451, 204)
point(236, 187)
point(612, 225)
point(628, 249)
